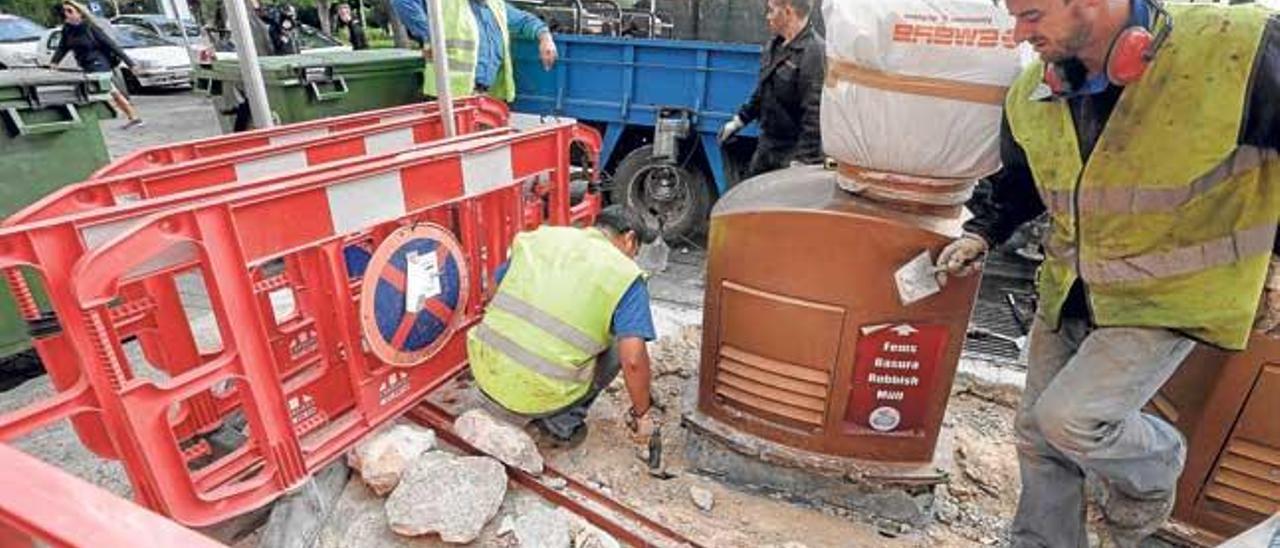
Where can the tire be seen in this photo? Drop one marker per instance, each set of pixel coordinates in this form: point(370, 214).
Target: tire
point(683, 203)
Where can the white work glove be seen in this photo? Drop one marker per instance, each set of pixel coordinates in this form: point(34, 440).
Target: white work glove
point(730, 128)
point(961, 257)
point(1268, 319)
point(547, 50)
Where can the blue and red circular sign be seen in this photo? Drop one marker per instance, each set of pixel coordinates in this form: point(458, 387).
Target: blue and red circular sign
point(413, 294)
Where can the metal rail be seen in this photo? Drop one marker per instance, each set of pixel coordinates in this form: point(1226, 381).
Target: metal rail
point(624, 523)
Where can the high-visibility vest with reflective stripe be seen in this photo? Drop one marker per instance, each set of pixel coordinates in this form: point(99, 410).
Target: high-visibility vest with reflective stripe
point(535, 350)
point(1170, 224)
point(462, 47)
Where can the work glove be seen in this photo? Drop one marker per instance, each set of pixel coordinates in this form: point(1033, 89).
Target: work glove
point(643, 426)
point(961, 257)
point(547, 50)
point(1267, 320)
point(731, 128)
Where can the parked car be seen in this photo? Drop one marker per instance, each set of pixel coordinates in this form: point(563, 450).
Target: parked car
point(161, 25)
point(19, 38)
point(310, 38)
point(160, 63)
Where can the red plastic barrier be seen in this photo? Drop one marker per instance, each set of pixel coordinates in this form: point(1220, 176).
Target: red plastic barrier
point(165, 155)
point(44, 506)
point(255, 163)
point(307, 385)
point(155, 312)
point(152, 310)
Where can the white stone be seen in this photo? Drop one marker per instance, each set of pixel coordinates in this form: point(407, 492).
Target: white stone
point(452, 496)
point(588, 538)
point(383, 458)
point(543, 528)
point(507, 526)
point(704, 499)
point(500, 440)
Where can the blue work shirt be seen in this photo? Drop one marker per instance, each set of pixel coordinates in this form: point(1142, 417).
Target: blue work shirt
point(631, 318)
point(489, 53)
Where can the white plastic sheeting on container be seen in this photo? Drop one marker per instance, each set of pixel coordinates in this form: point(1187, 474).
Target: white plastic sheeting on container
point(914, 91)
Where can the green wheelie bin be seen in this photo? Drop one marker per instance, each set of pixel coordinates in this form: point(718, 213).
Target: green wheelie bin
point(316, 85)
point(49, 137)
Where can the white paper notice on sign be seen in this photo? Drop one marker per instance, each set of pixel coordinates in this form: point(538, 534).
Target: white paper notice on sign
point(916, 280)
point(422, 280)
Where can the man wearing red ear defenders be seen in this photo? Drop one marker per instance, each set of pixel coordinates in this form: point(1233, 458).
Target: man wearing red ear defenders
point(1149, 134)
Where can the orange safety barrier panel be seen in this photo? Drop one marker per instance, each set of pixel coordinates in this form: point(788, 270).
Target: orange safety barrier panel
point(165, 155)
point(289, 392)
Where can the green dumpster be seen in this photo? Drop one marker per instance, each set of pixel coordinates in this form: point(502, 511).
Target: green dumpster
point(50, 137)
point(317, 85)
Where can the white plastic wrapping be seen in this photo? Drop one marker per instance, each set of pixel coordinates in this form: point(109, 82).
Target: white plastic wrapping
point(871, 120)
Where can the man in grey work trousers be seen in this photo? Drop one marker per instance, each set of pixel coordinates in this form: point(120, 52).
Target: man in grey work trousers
point(1149, 135)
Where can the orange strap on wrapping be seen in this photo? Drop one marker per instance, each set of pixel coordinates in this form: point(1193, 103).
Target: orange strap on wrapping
point(903, 182)
point(843, 71)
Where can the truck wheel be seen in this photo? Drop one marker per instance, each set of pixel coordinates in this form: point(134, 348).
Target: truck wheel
point(678, 195)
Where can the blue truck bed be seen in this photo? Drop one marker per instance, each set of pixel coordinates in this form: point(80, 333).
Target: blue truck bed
point(623, 82)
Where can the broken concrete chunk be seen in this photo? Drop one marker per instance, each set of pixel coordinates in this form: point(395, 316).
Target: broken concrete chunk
point(382, 459)
point(507, 526)
point(702, 498)
point(500, 440)
point(452, 496)
point(588, 538)
point(543, 528)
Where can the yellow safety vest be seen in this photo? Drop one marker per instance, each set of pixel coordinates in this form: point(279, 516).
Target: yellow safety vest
point(1171, 222)
point(535, 350)
point(462, 46)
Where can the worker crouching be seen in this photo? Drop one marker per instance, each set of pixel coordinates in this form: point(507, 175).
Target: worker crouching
point(571, 311)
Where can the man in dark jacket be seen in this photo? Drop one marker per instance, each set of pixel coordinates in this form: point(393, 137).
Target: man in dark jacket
point(788, 94)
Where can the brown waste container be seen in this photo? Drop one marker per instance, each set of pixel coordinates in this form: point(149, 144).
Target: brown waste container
point(806, 341)
point(1227, 404)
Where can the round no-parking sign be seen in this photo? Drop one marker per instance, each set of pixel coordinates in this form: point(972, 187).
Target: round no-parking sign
point(413, 294)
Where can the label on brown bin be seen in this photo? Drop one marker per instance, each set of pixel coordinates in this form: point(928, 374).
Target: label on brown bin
point(893, 374)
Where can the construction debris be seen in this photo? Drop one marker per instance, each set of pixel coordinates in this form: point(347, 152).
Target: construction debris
point(449, 495)
point(590, 538)
point(543, 528)
point(702, 498)
point(297, 519)
point(383, 459)
point(503, 441)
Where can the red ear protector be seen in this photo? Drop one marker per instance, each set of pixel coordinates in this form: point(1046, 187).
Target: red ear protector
point(1130, 53)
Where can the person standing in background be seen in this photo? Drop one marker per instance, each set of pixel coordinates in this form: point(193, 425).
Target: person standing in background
point(95, 51)
point(478, 42)
point(354, 25)
point(788, 95)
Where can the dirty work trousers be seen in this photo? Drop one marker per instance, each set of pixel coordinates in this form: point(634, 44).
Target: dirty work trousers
point(563, 423)
point(566, 422)
point(1081, 413)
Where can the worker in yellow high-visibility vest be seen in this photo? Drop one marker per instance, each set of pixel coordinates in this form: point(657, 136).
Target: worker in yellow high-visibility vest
point(571, 311)
point(477, 40)
point(1149, 134)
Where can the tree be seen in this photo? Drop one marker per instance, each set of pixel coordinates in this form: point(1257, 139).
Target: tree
point(36, 10)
